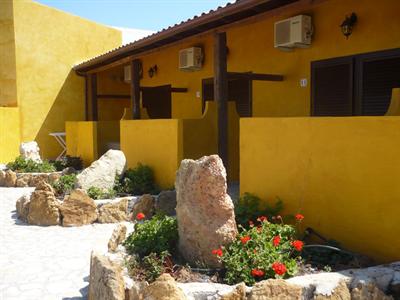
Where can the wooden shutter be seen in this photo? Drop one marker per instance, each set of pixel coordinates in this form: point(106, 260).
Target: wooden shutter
point(332, 87)
point(379, 75)
point(239, 90)
point(157, 101)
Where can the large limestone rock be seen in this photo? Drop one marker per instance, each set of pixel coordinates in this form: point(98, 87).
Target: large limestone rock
point(205, 212)
point(9, 178)
point(43, 207)
point(22, 206)
point(277, 289)
point(341, 292)
point(135, 290)
point(239, 293)
point(164, 288)
point(114, 212)
point(106, 281)
point(78, 209)
point(368, 292)
point(145, 205)
point(117, 237)
point(30, 150)
point(166, 203)
point(102, 172)
point(2, 177)
point(23, 180)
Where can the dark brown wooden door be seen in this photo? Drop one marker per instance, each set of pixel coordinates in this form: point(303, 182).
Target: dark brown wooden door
point(157, 101)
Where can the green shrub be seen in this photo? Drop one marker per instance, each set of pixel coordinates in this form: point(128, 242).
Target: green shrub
point(23, 165)
point(97, 193)
point(249, 208)
point(68, 161)
point(156, 235)
point(138, 181)
point(149, 268)
point(65, 184)
point(261, 252)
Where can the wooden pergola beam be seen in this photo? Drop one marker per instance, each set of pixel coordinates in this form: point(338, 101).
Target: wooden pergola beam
point(135, 88)
point(221, 93)
point(255, 76)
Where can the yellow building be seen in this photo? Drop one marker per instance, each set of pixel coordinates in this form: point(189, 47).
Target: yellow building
point(297, 89)
point(39, 91)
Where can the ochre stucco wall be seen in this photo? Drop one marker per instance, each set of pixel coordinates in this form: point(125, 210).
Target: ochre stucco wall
point(82, 140)
point(341, 173)
point(48, 43)
point(9, 133)
point(251, 48)
point(156, 143)
point(8, 77)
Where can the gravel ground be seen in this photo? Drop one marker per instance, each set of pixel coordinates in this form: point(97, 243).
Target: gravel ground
point(44, 262)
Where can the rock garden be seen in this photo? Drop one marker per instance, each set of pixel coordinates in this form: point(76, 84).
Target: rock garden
point(194, 242)
point(208, 252)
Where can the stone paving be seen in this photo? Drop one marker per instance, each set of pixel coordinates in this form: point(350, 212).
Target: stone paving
point(44, 263)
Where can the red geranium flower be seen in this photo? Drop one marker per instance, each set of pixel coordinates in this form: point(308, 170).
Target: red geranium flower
point(279, 217)
point(279, 268)
point(276, 240)
point(257, 273)
point(299, 217)
point(262, 219)
point(245, 239)
point(140, 216)
point(217, 252)
point(251, 223)
point(298, 245)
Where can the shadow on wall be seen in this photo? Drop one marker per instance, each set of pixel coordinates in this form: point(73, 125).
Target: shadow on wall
point(68, 105)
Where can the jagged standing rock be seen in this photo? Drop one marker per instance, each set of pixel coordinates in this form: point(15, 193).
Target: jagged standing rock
point(117, 237)
point(43, 207)
point(205, 212)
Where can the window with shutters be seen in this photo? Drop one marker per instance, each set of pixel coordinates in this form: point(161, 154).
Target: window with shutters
point(355, 85)
point(239, 91)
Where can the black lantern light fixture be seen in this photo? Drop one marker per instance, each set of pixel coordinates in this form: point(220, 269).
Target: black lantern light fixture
point(348, 24)
point(152, 71)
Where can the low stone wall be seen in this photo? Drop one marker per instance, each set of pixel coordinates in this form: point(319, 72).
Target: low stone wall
point(13, 179)
point(109, 276)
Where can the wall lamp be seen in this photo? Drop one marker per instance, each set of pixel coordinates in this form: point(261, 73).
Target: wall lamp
point(348, 24)
point(152, 71)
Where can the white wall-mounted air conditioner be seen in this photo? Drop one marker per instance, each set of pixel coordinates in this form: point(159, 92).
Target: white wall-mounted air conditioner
point(293, 32)
point(127, 73)
point(190, 59)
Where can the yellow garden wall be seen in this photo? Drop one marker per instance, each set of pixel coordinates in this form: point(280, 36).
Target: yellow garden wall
point(48, 43)
point(9, 134)
point(341, 173)
point(82, 140)
point(157, 143)
point(8, 75)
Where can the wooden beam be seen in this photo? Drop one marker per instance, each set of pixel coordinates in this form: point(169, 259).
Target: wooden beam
point(221, 93)
point(255, 76)
point(93, 92)
point(110, 96)
point(179, 90)
point(135, 88)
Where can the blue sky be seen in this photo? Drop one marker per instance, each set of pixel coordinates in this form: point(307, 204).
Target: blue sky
point(142, 14)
